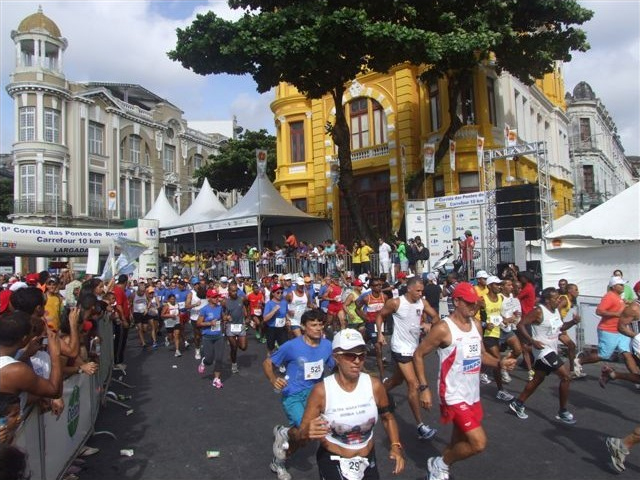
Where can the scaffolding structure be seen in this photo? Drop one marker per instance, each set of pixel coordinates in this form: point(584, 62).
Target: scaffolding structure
point(536, 149)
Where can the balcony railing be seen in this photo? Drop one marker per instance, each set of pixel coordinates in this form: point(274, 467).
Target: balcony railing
point(48, 207)
point(97, 210)
point(368, 152)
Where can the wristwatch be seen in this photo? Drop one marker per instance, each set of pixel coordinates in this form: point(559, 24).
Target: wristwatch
point(423, 387)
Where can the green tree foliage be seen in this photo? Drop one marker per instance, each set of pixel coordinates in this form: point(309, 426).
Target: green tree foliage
point(6, 198)
point(235, 165)
point(320, 45)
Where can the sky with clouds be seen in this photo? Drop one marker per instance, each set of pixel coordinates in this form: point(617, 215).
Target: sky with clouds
point(126, 41)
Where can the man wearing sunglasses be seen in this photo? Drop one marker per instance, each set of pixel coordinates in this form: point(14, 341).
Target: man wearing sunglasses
point(305, 359)
point(458, 340)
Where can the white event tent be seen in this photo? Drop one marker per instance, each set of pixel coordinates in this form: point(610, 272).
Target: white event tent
point(162, 211)
point(587, 250)
point(262, 214)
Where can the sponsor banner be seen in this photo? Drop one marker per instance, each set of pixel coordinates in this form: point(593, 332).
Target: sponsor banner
point(416, 220)
point(429, 152)
point(57, 241)
point(462, 200)
point(65, 434)
point(209, 226)
point(557, 243)
point(149, 235)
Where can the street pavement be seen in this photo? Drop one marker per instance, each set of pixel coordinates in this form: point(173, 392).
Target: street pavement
point(178, 416)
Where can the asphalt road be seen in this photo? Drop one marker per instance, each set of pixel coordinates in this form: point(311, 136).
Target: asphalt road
point(178, 416)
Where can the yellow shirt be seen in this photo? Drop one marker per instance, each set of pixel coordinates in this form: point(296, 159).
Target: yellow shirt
point(564, 310)
point(481, 291)
point(494, 318)
point(355, 256)
point(365, 252)
point(52, 308)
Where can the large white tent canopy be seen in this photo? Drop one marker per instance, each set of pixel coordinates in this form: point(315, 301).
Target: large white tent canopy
point(206, 206)
point(262, 208)
point(587, 250)
point(162, 211)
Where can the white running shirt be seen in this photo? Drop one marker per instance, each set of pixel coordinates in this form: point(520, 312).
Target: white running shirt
point(406, 327)
point(460, 366)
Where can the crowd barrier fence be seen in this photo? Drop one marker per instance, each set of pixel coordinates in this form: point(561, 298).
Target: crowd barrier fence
point(51, 442)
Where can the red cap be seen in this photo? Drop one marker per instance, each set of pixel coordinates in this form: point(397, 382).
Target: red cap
point(636, 287)
point(466, 292)
point(32, 279)
point(87, 325)
point(401, 275)
point(211, 293)
point(357, 283)
point(275, 288)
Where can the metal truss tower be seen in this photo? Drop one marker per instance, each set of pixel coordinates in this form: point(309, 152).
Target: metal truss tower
point(538, 150)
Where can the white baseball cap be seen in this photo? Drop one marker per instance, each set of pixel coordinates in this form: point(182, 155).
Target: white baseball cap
point(347, 339)
point(224, 280)
point(613, 281)
point(493, 279)
point(299, 281)
point(287, 277)
point(482, 274)
point(17, 286)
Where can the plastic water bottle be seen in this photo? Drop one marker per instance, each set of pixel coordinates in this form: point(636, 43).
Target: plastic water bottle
point(278, 390)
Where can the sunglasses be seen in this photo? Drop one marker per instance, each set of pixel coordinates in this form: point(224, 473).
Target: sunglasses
point(277, 293)
point(352, 356)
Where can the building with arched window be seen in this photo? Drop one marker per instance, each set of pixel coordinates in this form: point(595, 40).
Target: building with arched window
point(77, 141)
point(392, 116)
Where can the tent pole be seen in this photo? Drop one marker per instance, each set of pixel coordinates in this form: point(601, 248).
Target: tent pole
point(259, 233)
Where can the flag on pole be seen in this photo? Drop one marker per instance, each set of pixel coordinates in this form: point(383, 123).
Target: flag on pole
point(261, 162)
point(429, 153)
point(480, 146)
point(452, 155)
point(130, 250)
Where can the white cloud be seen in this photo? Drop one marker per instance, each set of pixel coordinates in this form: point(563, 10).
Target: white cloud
point(612, 66)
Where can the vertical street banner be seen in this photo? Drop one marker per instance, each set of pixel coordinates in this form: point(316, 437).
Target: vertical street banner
point(112, 197)
point(261, 162)
point(429, 152)
point(480, 147)
point(452, 155)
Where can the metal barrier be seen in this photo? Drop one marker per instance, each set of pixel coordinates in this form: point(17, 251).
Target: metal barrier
point(52, 443)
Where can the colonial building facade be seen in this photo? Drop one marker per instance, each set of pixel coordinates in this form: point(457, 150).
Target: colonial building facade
point(392, 116)
point(601, 169)
point(92, 154)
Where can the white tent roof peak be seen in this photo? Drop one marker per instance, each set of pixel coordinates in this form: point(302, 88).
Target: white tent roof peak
point(206, 206)
point(616, 219)
point(264, 200)
point(162, 210)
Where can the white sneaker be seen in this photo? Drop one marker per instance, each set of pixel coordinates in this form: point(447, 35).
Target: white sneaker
point(197, 355)
point(618, 453)
point(506, 378)
point(166, 342)
point(234, 368)
point(280, 442)
point(484, 378)
point(504, 396)
point(277, 467)
point(177, 354)
point(435, 472)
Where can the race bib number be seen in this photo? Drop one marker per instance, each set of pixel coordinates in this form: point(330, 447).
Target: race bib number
point(494, 320)
point(235, 327)
point(352, 468)
point(471, 358)
point(181, 305)
point(280, 322)
point(313, 370)
point(257, 312)
point(215, 326)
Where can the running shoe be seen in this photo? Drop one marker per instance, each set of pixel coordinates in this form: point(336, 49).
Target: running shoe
point(166, 342)
point(425, 432)
point(217, 383)
point(177, 354)
point(566, 417)
point(530, 375)
point(577, 364)
point(518, 408)
point(504, 396)
point(201, 368)
point(277, 467)
point(605, 375)
point(234, 368)
point(618, 453)
point(435, 472)
point(197, 355)
point(155, 346)
point(484, 378)
point(506, 378)
point(186, 345)
point(280, 442)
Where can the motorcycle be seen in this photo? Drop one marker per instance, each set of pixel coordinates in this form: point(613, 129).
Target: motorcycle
point(439, 268)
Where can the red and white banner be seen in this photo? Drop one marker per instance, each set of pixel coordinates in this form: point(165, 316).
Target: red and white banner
point(429, 154)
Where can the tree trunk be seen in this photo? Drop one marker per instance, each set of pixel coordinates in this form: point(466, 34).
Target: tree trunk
point(340, 135)
point(454, 87)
